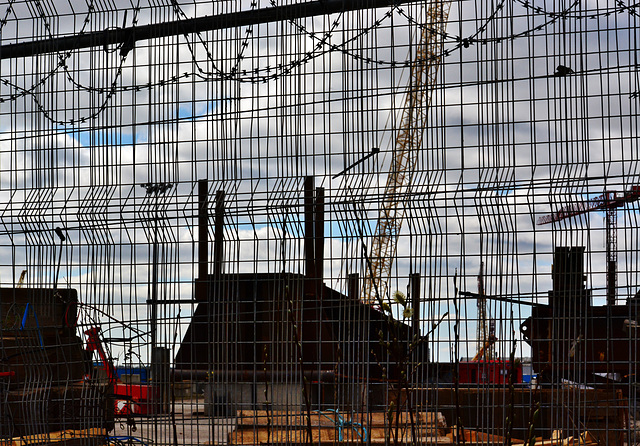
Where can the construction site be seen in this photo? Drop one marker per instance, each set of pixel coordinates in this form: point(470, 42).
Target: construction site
point(319, 222)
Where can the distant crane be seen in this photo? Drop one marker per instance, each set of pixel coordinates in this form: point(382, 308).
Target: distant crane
point(484, 350)
point(486, 332)
point(23, 274)
point(408, 145)
point(609, 201)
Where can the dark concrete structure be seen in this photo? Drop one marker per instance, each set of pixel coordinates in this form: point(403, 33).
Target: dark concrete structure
point(287, 328)
point(574, 340)
point(252, 321)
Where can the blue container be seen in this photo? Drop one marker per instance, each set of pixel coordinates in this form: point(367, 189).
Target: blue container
point(128, 370)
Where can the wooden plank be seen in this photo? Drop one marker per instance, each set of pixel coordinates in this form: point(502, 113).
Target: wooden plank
point(320, 437)
point(327, 433)
point(256, 427)
point(293, 435)
point(424, 441)
point(473, 437)
point(260, 436)
point(250, 418)
point(56, 437)
point(419, 418)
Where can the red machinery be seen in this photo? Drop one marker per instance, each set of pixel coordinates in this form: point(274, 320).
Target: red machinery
point(486, 371)
point(130, 399)
point(494, 372)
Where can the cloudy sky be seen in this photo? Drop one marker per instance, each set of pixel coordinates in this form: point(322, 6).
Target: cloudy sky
point(533, 107)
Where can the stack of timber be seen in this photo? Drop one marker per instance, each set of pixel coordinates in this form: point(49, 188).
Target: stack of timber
point(602, 412)
point(470, 437)
point(585, 439)
point(68, 437)
point(331, 427)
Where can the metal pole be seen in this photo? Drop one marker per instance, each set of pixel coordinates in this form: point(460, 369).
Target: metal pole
point(612, 255)
point(309, 226)
point(153, 191)
point(203, 223)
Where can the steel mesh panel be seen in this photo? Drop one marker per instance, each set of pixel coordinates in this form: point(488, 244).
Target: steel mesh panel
point(194, 191)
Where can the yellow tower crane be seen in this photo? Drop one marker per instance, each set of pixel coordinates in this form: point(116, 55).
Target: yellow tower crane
point(408, 144)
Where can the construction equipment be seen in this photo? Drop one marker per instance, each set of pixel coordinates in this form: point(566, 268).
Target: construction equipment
point(494, 372)
point(129, 398)
point(609, 201)
point(486, 330)
point(483, 350)
point(483, 369)
point(95, 345)
point(407, 146)
point(23, 274)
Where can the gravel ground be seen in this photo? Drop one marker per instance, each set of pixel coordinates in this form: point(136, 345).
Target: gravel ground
point(191, 427)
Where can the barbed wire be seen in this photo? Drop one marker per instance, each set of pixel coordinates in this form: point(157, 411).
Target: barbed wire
point(322, 47)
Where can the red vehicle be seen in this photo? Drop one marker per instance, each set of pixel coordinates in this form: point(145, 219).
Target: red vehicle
point(494, 372)
point(130, 399)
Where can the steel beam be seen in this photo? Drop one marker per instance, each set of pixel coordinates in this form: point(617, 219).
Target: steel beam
point(189, 26)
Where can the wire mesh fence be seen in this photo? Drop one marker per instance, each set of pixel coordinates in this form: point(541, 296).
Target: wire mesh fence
point(265, 222)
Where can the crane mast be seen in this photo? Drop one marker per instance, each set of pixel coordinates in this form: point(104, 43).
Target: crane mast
point(485, 337)
point(408, 144)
